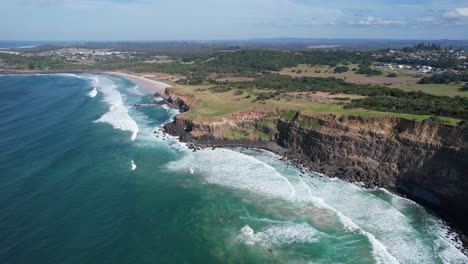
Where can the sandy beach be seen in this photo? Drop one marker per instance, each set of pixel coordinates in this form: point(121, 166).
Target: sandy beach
point(148, 85)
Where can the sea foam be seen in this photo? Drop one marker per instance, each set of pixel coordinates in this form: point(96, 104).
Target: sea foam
point(278, 235)
point(392, 235)
point(117, 116)
point(93, 92)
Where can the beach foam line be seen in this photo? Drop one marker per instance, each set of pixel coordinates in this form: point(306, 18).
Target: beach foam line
point(117, 116)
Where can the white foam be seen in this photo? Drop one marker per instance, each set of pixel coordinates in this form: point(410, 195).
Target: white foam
point(447, 244)
point(377, 219)
point(93, 92)
point(245, 172)
point(379, 251)
point(249, 173)
point(135, 90)
point(133, 165)
point(117, 116)
point(278, 235)
point(68, 75)
point(391, 235)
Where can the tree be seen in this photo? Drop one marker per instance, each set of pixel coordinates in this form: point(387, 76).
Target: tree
point(464, 88)
point(341, 69)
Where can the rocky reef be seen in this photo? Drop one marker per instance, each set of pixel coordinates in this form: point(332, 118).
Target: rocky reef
point(426, 161)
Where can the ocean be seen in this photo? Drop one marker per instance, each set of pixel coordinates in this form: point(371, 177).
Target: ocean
point(5, 44)
point(86, 178)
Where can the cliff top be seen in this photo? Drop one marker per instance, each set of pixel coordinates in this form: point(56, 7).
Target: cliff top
point(206, 102)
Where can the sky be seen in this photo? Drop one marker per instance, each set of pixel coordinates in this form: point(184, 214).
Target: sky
point(153, 20)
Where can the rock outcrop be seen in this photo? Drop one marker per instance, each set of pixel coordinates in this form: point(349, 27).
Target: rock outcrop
point(426, 161)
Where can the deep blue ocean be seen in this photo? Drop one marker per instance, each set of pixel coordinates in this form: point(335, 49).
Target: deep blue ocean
point(84, 178)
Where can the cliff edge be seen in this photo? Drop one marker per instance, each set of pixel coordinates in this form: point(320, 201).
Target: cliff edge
point(426, 161)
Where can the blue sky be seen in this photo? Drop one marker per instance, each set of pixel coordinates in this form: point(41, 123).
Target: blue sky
point(234, 19)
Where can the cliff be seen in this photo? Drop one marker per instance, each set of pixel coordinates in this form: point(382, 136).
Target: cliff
point(426, 161)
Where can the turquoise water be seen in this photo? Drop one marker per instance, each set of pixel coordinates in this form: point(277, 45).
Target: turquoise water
point(84, 179)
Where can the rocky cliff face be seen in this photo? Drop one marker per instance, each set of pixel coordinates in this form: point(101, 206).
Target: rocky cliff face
point(426, 161)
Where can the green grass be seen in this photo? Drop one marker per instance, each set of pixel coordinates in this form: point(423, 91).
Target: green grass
point(216, 105)
point(289, 115)
point(451, 89)
point(234, 134)
point(268, 123)
point(308, 123)
point(263, 136)
point(409, 81)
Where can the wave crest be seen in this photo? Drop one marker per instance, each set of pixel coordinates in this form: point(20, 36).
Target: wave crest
point(117, 116)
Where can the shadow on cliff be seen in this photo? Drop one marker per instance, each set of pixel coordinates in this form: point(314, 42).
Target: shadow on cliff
point(441, 184)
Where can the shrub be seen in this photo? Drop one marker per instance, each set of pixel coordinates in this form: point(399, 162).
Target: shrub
point(464, 88)
point(341, 69)
point(238, 92)
point(220, 89)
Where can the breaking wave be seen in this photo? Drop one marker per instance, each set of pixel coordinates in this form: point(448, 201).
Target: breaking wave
point(93, 92)
point(279, 235)
point(117, 116)
point(393, 237)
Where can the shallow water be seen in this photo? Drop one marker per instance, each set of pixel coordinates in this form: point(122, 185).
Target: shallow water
point(84, 179)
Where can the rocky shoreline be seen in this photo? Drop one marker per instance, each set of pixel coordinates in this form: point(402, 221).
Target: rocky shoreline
point(424, 161)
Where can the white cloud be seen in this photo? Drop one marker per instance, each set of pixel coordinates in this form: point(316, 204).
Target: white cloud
point(380, 21)
point(457, 13)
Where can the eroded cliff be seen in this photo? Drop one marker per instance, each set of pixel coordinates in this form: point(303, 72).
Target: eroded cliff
point(424, 160)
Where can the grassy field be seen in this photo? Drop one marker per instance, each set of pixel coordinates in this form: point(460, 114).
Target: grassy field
point(406, 79)
point(435, 89)
point(212, 105)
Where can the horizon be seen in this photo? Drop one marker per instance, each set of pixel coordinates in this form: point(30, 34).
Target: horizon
point(228, 39)
point(151, 20)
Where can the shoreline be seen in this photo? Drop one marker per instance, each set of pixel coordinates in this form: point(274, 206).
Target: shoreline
point(182, 128)
point(455, 234)
point(149, 85)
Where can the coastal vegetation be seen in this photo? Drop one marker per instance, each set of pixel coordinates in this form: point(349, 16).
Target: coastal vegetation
point(376, 97)
point(445, 78)
point(286, 79)
point(32, 62)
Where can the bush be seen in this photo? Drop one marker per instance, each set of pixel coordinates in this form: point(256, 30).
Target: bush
point(444, 78)
point(392, 75)
point(341, 69)
point(238, 92)
point(364, 69)
point(220, 89)
point(464, 88)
